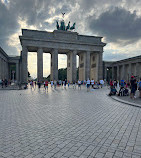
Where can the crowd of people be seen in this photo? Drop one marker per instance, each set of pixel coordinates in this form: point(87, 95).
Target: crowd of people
point(121, 88)
point(126, 88)
point(89, 84)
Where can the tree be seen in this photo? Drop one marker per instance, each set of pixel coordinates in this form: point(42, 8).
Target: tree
point(62, 74)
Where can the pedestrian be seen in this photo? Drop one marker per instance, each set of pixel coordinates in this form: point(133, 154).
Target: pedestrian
point(65, 83)
point(102, 83)
point(35, 84)
point(79, 84)
point(68, 83)
point(62, 83)
point(32, 85)
point(46, 85)
point(74, 84)
point(133, 87)
point(88, 85)
point(39, 85)
point(92, 83)
point(55, 84)
point(5, 82)
point(51, 83)
point(111, 83)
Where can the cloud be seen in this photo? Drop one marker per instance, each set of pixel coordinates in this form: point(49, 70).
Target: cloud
point(117, 21)
point(117, 25)
point(8, 26)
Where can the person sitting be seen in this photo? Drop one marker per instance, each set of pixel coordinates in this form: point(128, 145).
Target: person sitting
point(113, 91)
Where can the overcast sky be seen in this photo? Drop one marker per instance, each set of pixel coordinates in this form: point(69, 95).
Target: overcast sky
point(117, 21)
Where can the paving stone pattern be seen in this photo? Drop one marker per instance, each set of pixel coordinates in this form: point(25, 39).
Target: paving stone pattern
point(67, 124)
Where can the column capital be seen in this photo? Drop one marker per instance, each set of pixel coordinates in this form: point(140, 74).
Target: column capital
point(54, 50)
point(24, 48)
point(39, 50)
point(74, 52)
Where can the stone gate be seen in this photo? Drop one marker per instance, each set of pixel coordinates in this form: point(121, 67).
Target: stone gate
point(88, 48)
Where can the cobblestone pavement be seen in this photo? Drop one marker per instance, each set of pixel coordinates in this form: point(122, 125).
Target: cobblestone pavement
point(67, 124)
point(137, 100)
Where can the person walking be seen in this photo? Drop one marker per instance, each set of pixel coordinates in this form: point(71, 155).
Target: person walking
point(51, 83)
point(92, 83)
point(133, 87)
point(79, 84)
point(68, 83)
point(74, 84)
point(46, 85)
point(39, 85)
point(55, 84)
point(88, 85)
point(65, 83)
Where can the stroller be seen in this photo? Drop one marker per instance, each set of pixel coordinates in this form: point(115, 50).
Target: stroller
point(123, 92)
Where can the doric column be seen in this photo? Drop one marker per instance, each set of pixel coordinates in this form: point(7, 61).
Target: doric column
point(100, 66)
point(74, 65)
point(0, 68)
point(123, 72)
point(3, 76)
point(71, 66)
point(24, 64)
point(138, 70)
point(54, 64)
point(17, 72)
point(113, 75)
point(81, 67)
point(105, 76)
point(87, 65)
point(129, 71)
point(5, 70)
point(118, 76)
point(40, 64)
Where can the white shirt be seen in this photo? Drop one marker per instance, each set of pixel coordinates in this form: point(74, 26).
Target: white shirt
point(92, 82)
point(88, 81)
point(101, 82)
point(79, 82)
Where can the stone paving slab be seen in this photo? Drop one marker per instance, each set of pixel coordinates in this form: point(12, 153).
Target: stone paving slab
point(67, 123)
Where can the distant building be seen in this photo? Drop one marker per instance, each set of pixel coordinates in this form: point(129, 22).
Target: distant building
point(9, 66)
point(122, 69)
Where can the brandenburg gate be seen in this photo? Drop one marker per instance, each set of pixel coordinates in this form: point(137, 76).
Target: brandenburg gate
point(88, 48)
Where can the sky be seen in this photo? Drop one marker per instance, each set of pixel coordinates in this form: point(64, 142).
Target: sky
point(117, 21)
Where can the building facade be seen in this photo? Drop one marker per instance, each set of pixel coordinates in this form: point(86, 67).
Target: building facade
point(123, 69)
point(9, 66)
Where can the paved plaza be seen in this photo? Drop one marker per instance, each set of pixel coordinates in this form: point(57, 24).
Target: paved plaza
point(67, 124)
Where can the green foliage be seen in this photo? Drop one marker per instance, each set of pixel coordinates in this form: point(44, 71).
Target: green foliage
point(62, 74)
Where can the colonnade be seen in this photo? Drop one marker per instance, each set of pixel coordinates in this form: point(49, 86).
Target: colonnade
point(90, 64)
point(125, 70)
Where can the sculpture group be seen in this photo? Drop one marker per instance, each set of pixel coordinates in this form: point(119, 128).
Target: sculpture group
point(63, 27)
